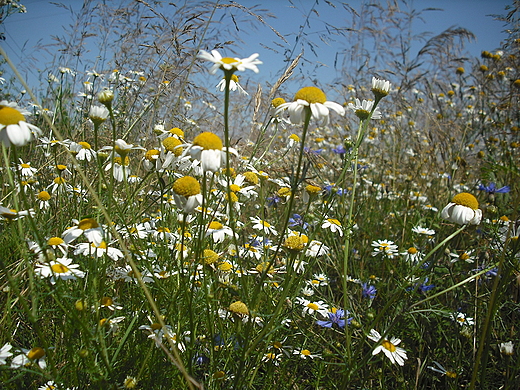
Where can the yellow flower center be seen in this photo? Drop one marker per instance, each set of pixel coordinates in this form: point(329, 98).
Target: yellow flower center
point(464, 256)
point(284, 191)
point(312, 306)
point(120, 161)
point(85, 145)
point(59, 180)
point(155, 326)
point(55, 241)
point(210, 256)
point(296, 243)
point(412, 250)
point(232, 198)
point(88, 223)
point(225, 266)
point(311, 95)
point(388, 346)
point(171, 144)
point(465, 199)
point(229, 60)
point(44, 195)
point(239, 308)
point(215, 225)
point(107, 301)
point(176, 131)
point(59, 268)
point(264, 267)
point(103, 245)
point(61, 167)
point(305, 352)
point(36, 353)
point(334, 221)
point(277, 102)
point(234, 188)
point(294, 137)
point(451, 374)
point(162, 229)
point(251, 177)
point(24, 165)
point(186, 186)
point(10, 116)
point(150, 154)
point(234, 78)
point(313, 189)
point(208, 141)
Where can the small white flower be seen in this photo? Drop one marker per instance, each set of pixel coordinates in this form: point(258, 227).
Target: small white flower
point(389, 348)
point(228, 63)
point(316, 100)
point(463, 210)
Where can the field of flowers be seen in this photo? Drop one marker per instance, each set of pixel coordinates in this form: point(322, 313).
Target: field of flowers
point(157, 234)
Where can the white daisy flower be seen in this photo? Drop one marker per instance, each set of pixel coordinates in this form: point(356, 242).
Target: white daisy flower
point(61, 268)
point(13, 127)
point(29, 357)
point(463, 210)
point(316, 100)
point(389, 348)
point(87, 226)
point(228, 63)
point(363, 109)
point(233, 85)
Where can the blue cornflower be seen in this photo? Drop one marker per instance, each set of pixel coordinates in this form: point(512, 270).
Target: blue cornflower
point(273, 201)
point(491, 189)
point(297, 220)
point(423, 287)
point(369, 291)
point(336, 316)
point(310, 151)
point(340, 150)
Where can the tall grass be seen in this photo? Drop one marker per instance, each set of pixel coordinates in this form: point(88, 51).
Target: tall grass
point(160, 234)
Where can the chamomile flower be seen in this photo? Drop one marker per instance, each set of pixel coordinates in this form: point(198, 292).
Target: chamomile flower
point(26, 170)
point(93, 250)
point(82, 150)
point(313, 307)
point(218, 231)
point(462, 319)
point(314, 99)
point(388, 347)
point(88, 227)
point(412, 255)
point(186, 192)
point(233, 85)
point(207, 148)
point(61, 268)
point(13, 127)
point(228, 63)
point(362, 109)
point(385, 247)
point(98, 114)
point(306, 354)
point(380, 88)
point(422, 230)
point(28, 357)
point(505, 348)
point(463, 210)
point(109, 303)
point(264, 226)
point(334, 225)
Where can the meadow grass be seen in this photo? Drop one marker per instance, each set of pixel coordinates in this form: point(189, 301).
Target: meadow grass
point(159, 234)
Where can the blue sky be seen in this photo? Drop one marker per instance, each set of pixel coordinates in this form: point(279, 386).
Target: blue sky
point(43, 19)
